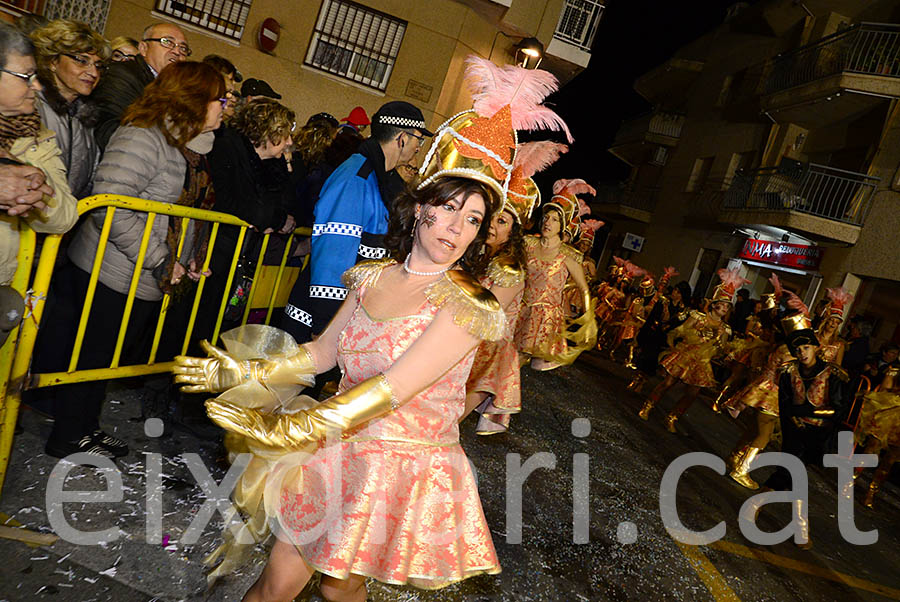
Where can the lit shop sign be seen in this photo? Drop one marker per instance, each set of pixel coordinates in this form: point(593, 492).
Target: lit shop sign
point(804, 257)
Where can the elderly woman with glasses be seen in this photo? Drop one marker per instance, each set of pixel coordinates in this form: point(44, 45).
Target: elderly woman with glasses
point(147, 157)
point(70, 57)
point(29, 156)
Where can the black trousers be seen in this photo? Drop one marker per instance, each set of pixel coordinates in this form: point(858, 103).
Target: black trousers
point(808, 443)
point(76, 407)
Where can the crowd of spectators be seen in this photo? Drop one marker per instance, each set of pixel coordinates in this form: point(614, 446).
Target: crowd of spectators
point(139, 117)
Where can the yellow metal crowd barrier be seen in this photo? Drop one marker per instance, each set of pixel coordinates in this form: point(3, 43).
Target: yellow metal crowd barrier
point(271, 286)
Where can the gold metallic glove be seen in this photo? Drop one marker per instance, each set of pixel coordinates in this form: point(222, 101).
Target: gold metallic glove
point(220, 372)
point(367, 400)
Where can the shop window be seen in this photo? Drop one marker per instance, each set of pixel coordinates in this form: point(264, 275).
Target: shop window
point(222, 17)
point(699, 174)
point(355, 43)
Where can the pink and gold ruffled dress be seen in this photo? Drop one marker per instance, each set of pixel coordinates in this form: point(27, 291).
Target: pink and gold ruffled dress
point(542, 323)
point(762, 392)
point(395, 498)
point(496, 366)
point(690, 361)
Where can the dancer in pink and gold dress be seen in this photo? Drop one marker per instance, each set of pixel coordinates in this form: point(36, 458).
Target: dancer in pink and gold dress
point(381, 487)
point(542, 330)
point(494, 387)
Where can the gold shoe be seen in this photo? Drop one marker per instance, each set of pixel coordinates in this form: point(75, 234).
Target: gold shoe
point(742, 470)
point(720, 398)
point(670, 421)
point(869, 502)
point(645, 411)
point(803, 522)
point(629, 361)
point(732, 460)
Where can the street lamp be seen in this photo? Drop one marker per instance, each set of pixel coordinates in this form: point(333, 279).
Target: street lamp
point(528, 51)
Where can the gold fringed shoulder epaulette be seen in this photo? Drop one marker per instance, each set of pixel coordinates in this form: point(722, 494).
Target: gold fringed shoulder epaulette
point(532, 241)
point(696, 314)
point(839, 372)
point(365, 273)
point(474, 307)
point(571, 252)
point(504, 272)
point(789, 367)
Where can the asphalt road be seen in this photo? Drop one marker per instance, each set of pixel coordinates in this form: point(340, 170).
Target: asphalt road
point(606, 542)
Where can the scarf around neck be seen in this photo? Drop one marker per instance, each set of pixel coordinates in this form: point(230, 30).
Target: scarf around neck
point(18, 126)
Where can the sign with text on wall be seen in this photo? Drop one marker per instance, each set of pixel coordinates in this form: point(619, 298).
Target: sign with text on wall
point(633, 242)
point(803, 257)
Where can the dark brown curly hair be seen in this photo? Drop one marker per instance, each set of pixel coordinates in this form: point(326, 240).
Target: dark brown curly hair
point(514, 247)
point(176, 101)
point(399, 238)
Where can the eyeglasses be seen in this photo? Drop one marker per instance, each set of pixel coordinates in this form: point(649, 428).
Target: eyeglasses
point(86, 62)
point(118, 55)
point(29, 78)
point(171, 45)
point(420, 139)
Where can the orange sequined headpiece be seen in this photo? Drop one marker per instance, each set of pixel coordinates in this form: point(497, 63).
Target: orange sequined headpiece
point(480, 143)
point(565, 201)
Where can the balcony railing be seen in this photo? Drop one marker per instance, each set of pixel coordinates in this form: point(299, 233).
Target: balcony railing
point(834, 194)
point(578, 21)
point(869, 48)
point(644, 198)
point(657, 122)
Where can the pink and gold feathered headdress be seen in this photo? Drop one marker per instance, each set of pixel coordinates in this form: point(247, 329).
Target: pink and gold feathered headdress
point(480, 143)
point(838, 299)
point(568, 204)
point(798, 321)
point(531, 157)
point(731, 280)
point(770, 300)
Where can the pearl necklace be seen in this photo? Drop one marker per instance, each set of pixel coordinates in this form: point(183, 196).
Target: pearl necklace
point(409, 270)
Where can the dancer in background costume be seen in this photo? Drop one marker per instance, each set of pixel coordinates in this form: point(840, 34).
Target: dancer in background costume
point(668, 312)
point(750, 352)
point(879, 422)
point(704, 336)
point(831, 345)
point(761, 394)
point(543, 330)
point(634, 318)
point(583, 243)
point(620, 301)
point(610, 299)
point(494, 386)
point(812, 397)
point(405, 338)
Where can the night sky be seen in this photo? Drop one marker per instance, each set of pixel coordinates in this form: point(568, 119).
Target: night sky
point(633, 37)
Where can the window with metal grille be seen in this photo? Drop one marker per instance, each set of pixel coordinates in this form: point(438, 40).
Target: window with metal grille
point(578, 22)
point(17, 8)
point(224, 17)
point(356, 43)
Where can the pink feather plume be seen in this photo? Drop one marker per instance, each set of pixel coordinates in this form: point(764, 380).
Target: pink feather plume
point(493, 87)
point(670, 272)
point(583, 208)
point(839, 296)
point(619, 261)
point(776, 283)
point(732, 277)
point(592, 224)
point(795, 302)
point(576, 187)
point(633, 270)
point(532, 157)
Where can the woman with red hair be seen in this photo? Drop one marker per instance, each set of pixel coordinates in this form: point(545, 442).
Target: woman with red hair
point(145, 158)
